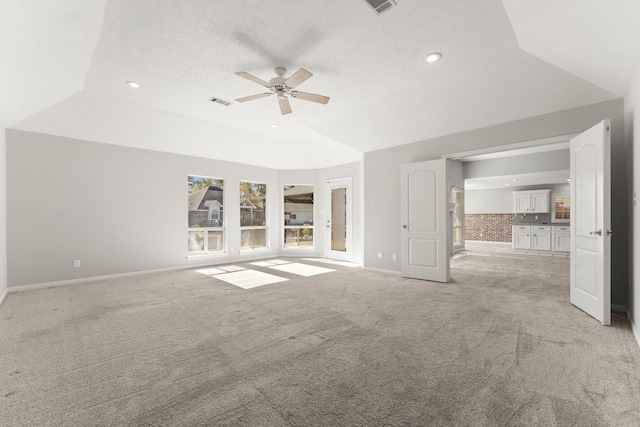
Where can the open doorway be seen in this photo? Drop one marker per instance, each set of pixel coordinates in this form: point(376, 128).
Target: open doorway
point(518, 197)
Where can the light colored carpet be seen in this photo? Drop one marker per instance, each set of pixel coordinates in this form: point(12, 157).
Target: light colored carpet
point(499, 346)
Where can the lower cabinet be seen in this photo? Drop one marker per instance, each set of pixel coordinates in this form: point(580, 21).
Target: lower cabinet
point(521, 237)
point(541, 238)
point(561, 239)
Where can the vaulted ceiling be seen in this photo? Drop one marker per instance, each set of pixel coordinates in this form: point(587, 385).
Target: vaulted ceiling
point(65, 64)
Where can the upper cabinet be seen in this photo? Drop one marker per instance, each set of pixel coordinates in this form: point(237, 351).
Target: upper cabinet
point(532, 201)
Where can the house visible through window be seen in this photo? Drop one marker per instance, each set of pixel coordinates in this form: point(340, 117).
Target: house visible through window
point(205, 208)
point(253, 216)
point(298, 216)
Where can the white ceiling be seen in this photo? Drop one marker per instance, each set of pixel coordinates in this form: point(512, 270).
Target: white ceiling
point(65, 63)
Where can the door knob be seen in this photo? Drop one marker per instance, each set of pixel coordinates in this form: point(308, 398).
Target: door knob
point(598, 232)
point(404, 226)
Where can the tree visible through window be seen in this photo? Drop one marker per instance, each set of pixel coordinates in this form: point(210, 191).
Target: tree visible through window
point(253, 215)
point(206, 212)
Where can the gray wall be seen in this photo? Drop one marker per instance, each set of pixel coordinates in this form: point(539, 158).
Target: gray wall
point(121, 210)
point(537, 162)
point(3, 213)
point(382, 178)
point(500, 200)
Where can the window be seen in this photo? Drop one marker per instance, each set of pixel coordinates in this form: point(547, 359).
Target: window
point(561, 208)
point(253, 215)
point(205, 207)
point(456, 198)
point(298, 216)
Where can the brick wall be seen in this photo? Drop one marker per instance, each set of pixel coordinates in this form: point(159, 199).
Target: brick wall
point(488, 227)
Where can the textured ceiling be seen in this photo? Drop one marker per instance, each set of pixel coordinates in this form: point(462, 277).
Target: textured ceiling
point(68, 60)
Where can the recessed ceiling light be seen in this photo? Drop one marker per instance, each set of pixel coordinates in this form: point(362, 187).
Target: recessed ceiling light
point(133, 84)
point(275, 126)
point(515, 180)
point(433, 57)
point(508, 184)
point(569, 180)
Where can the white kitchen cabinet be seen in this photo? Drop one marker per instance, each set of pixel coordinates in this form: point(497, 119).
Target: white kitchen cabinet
point(560, 239)
point(532, 201)
point(521, 237)
point(541, 238)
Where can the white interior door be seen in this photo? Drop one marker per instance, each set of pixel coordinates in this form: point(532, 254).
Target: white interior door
point(591, 223)
point(338, 220)
point(425, 213)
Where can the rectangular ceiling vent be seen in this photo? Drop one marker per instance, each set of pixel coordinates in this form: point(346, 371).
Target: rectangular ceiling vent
point(381, 6)
point(220, 101)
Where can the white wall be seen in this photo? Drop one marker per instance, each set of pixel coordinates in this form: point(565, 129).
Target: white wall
point(632, 122)
point(3, 213)
point(382, 178)
point(500, 200)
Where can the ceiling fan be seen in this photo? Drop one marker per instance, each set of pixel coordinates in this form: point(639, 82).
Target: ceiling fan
point(282, 86)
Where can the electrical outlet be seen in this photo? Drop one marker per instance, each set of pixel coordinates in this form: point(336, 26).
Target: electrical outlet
point(76, 263)
point(395, 258)
point(379, 255)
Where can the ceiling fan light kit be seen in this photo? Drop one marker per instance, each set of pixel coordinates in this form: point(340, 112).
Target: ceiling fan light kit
point(282, 86)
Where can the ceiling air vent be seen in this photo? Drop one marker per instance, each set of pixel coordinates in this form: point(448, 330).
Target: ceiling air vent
point(381, 6)
point(220, 101)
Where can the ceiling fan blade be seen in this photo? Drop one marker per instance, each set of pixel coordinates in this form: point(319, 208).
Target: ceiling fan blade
point(253, 79)
point(320, 99)
point(285, 107)
point(298, 77)
point(252, 97)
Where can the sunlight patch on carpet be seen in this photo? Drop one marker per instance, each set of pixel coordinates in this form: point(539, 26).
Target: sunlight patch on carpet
point(230, 268)
point(334, 262)
point(263, 263)
point(211, 271)
point(247, 279)
point(279, 261)
point(302, 269)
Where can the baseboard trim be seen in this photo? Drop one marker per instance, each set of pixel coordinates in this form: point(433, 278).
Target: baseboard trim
point(192, 264)
point(90, 279)
point(634, 329)
point(382, 270)
point(4, 294)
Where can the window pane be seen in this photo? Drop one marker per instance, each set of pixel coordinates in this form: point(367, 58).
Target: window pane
point(298, 237)
point(253, 239)
point(215, 242)
point(196, 242)
point(259, 238)
point(253, 198)
point(205, 206)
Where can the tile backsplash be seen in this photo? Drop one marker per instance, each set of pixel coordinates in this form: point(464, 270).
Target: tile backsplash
point(543, 218)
